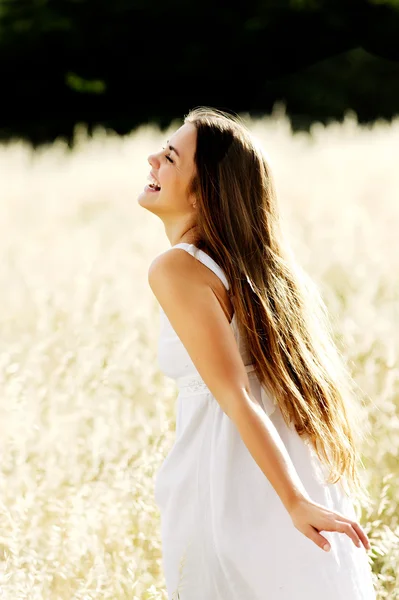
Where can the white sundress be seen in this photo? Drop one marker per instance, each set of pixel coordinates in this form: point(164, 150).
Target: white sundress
point(225, 533)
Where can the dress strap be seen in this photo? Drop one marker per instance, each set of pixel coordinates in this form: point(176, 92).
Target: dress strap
point(205, 259)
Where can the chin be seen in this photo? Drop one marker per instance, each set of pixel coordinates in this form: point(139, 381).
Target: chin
point(148, 203)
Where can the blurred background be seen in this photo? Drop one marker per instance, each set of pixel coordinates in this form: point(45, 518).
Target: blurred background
point(127, 62)
point(89, 90)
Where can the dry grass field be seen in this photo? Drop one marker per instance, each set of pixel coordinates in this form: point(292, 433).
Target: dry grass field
point(86, 416)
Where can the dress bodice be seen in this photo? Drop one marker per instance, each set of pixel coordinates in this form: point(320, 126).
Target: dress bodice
point(173, 358)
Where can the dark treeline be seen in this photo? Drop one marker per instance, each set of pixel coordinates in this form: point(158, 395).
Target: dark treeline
point(121, 63)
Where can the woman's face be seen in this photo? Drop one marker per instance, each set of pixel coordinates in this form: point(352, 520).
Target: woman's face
point(173, 171)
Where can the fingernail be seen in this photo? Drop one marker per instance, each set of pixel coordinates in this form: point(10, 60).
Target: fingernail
point(326, 547)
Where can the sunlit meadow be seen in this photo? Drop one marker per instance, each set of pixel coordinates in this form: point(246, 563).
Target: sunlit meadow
point(86, 416)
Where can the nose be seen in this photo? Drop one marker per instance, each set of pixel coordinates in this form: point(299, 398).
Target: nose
point(153, 160)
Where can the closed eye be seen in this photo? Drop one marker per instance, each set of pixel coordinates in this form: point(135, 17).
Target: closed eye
point(167, 156)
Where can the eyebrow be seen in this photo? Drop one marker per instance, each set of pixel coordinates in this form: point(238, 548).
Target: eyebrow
point(172, 148)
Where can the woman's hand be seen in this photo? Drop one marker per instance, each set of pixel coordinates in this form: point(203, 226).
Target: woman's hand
point(310, 518)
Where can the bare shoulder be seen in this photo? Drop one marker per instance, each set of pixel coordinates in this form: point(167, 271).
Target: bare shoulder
point(175, 267)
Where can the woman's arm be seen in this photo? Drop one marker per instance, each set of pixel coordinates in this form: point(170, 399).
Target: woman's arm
point(199, 321)
point(268, 450)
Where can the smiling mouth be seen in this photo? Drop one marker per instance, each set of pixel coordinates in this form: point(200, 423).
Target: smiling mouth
point(154, 187)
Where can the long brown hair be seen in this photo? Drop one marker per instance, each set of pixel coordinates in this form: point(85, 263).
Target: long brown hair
point(278, 307)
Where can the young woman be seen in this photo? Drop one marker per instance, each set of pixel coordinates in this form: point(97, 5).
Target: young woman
point(265, 455)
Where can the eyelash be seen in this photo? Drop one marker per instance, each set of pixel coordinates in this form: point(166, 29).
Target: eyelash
point(167, 156)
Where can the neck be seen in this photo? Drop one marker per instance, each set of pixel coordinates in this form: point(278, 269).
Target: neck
point(183, 235)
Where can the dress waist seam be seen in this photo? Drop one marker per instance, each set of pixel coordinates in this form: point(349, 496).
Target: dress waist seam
point(193, 384)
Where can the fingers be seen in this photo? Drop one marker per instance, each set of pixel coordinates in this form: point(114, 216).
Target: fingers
point(341, 527)
point(318, 539)
point(311, 518)
point(362, 535)
point(349, 530)
point(356, 532)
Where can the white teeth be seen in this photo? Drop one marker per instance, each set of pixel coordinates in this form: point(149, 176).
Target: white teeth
point(152, 180)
